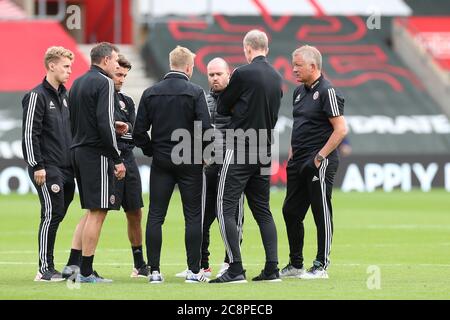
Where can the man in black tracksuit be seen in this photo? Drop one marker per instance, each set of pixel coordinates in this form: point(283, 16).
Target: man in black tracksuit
point(128, 191)
point(95, 155)
point(252, 98)
point(218, 78)
point(319, 128)
point(169, 108)
point(46, 139)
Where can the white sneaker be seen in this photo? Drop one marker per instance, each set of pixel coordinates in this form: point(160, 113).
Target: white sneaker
point(156, 277)
point(315, 272)
point(182, 274)
point(291, 272)
point(206, 272)
point(223, 269)
point(195, 277)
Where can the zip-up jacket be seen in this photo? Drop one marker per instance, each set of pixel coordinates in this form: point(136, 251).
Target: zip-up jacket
point(46, 135)
point(252, 98)
point(171, 104)
point(125, 112)
point(219, 121)
point(92, 100)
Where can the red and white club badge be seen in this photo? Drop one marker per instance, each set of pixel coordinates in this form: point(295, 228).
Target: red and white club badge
point(55, 188)
point(316, 95)
point(112, 199)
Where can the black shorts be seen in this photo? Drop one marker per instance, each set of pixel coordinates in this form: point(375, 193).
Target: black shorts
point(95, 179)
point(129, 189)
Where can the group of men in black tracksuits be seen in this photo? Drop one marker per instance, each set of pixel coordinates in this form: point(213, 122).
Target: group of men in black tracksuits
point(176, 124)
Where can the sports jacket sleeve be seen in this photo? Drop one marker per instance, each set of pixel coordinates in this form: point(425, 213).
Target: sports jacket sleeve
point(144, 120)
point(228, 98)
point(332, 103)
point(201, 111)
point(105, 119)
point(33, 116)
point(132, 115)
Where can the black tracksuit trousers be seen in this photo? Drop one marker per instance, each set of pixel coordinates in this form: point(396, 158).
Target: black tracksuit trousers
point(190, 180)
point(233, 181)
point(309, 186)
point(212, 179)
point(55, 196)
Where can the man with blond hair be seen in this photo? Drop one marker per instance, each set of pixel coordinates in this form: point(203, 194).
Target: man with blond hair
point(174, 105)
point(46, 139)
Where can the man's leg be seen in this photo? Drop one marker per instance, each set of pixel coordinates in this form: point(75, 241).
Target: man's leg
point(190, 183)
point(162, 184)
point(134, 218)
point(76, 248)
point(132, 204)
point(322, 209)
point(211, 174)
point(295, 207)
point(257, 193)
point(51, 196)
point(240, 225)
point(90, 236)
point(232, 181)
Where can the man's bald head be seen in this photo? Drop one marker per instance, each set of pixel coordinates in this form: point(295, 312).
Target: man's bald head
point(218, 74)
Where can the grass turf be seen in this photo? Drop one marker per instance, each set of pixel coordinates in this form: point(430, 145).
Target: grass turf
point(405, 235)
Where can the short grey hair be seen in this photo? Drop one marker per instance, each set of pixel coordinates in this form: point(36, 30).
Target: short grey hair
point(310, 54)
point(102, 50)
point(257, 40)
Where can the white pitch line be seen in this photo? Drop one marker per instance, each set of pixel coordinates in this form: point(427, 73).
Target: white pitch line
point(255, 264)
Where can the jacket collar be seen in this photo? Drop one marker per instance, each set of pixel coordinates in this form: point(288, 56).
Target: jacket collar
point(98, 69)
point(176, 74)
point(61, 90)
point(259, 58)
point(315, 83)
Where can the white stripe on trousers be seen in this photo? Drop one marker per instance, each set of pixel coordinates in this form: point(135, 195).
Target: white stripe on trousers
point(203, 203)
point(220, 190)
point(43, 237)
point(240, 218)
point(104, 182)
point(326, 212)
point(29, 130)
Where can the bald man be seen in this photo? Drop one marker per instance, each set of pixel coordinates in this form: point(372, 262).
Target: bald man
point(218, 73)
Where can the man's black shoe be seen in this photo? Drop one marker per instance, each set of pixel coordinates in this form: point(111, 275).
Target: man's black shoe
point(272, 277)
point(227, 277)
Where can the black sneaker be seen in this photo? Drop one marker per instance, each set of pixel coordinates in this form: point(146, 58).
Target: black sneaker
point(273, 277)
point(49, 276)
point(142, 272)
point(229, 278)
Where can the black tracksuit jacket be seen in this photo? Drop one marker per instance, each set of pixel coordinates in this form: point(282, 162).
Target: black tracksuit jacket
point(171, 104)
point(243, 101)
point(92, 101)
point(46, 135)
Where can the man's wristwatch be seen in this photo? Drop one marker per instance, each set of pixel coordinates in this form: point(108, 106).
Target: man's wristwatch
point(319, 157)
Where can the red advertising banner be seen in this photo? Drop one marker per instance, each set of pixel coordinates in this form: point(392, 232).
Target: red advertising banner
point(433, 33)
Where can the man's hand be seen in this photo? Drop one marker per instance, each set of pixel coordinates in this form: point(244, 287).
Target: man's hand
point(316, 163)
point(121, 127)
point(39, 177)
point(120, 171)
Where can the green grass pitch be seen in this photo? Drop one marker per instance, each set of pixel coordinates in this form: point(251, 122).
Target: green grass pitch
point(385, 246)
